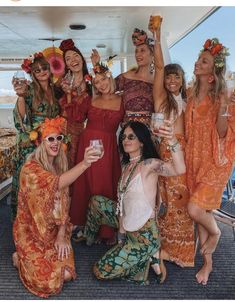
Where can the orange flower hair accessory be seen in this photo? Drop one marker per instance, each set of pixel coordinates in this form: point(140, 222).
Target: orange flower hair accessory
point(217, 50)
point(26, 66)
point(56, 125)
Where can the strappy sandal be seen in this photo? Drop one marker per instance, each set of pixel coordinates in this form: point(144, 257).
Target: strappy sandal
point(78, 236)
point(161, 277)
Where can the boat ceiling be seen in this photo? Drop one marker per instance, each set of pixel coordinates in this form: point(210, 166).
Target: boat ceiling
point(25, 30)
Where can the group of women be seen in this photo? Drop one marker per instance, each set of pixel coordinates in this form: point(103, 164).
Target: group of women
point(104, 198)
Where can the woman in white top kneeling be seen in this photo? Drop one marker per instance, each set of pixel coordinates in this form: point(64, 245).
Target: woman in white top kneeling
point(135, 213)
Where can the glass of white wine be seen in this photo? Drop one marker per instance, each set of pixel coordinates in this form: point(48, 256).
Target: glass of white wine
point(157, 120)
point(19, 77)
point(230, 90)
point(98, 145)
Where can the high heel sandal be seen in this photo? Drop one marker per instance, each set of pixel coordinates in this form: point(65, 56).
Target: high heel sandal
point(161, 277)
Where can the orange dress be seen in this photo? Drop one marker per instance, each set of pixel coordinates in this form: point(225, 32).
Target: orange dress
point(41, 210)
point(209, 159)
point(176, 227)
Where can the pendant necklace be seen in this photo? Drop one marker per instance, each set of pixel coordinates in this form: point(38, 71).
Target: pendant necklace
point(123, 189)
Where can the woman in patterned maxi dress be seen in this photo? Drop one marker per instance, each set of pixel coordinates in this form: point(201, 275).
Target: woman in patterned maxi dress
point(33, 105)
point(176, 226)
point(210, 147)
point(42, 230)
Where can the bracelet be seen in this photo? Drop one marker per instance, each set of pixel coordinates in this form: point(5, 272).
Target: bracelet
point(175, 147)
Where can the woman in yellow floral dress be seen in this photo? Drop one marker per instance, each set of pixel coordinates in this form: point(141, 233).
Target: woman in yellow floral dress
point(42, 230)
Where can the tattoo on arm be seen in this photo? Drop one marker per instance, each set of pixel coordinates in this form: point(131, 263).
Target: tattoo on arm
point(158, 166)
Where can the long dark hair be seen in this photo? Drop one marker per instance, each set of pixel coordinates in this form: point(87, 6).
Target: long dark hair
point(84, 67)
point(143, 134)
point(169, 103)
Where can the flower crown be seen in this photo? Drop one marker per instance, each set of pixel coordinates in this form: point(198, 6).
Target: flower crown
point(41, 130)
point(140, 37)
point(26, 66)
point(100, 68)
point(217, 50)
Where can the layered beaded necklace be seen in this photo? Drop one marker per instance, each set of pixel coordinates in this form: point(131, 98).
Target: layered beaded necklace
point(123, 189)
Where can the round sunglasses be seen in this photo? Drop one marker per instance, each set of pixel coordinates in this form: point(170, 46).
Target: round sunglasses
point(51, 139)
point(130, 137)
point(38, 70)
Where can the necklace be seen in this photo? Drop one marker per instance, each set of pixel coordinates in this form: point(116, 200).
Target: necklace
point(134, 158)
point(122, 190)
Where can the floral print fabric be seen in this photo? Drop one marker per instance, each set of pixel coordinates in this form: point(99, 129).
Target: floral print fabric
point(176, 226)
point(129, 260)
point(41, 210)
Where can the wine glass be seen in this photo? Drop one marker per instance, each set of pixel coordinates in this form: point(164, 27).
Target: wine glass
point(68, 78)
point(157, 120)
point(19, 78)
point(98, 145)
point(230, 89)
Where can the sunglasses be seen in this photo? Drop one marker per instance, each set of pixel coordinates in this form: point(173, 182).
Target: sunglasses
point(130, 137)
point(51, 139)
point(43, 68)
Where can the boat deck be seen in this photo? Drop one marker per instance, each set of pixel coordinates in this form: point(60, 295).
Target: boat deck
point(180, 283)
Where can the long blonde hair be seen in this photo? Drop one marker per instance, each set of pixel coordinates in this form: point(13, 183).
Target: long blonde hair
point(60, 161)
point(218, 85)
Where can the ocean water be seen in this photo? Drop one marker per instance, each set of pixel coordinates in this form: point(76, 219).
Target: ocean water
point(7, 106)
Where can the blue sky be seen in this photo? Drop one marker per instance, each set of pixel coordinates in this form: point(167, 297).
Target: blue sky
point(221, 25)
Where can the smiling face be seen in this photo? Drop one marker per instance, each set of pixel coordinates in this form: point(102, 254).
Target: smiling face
point(52, 144)
point(204, 65)
point(131, 143)
point(143, 55)
point(102, 83)
point(73, 61)
point(173, 83)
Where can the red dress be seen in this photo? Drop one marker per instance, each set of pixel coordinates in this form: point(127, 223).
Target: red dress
point(102, 177)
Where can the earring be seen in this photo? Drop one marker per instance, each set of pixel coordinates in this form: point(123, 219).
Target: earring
point(152, 67)
point(211, 79)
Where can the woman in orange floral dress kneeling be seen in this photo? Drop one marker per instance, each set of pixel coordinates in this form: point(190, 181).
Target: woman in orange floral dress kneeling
point(42, 230)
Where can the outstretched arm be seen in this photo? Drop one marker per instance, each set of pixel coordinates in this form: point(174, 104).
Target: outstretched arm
point(67, 178)
point(159, 93)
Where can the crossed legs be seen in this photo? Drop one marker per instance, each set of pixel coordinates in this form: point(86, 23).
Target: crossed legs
point(209, 235)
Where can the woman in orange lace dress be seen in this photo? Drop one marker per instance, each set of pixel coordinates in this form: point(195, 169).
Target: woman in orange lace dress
point(210, 147)
point(42, 231)
point(176, 226)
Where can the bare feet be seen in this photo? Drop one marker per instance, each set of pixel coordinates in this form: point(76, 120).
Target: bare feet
point(159, 267)
point(203, 275)
point(15, 259)
point(211, 243)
